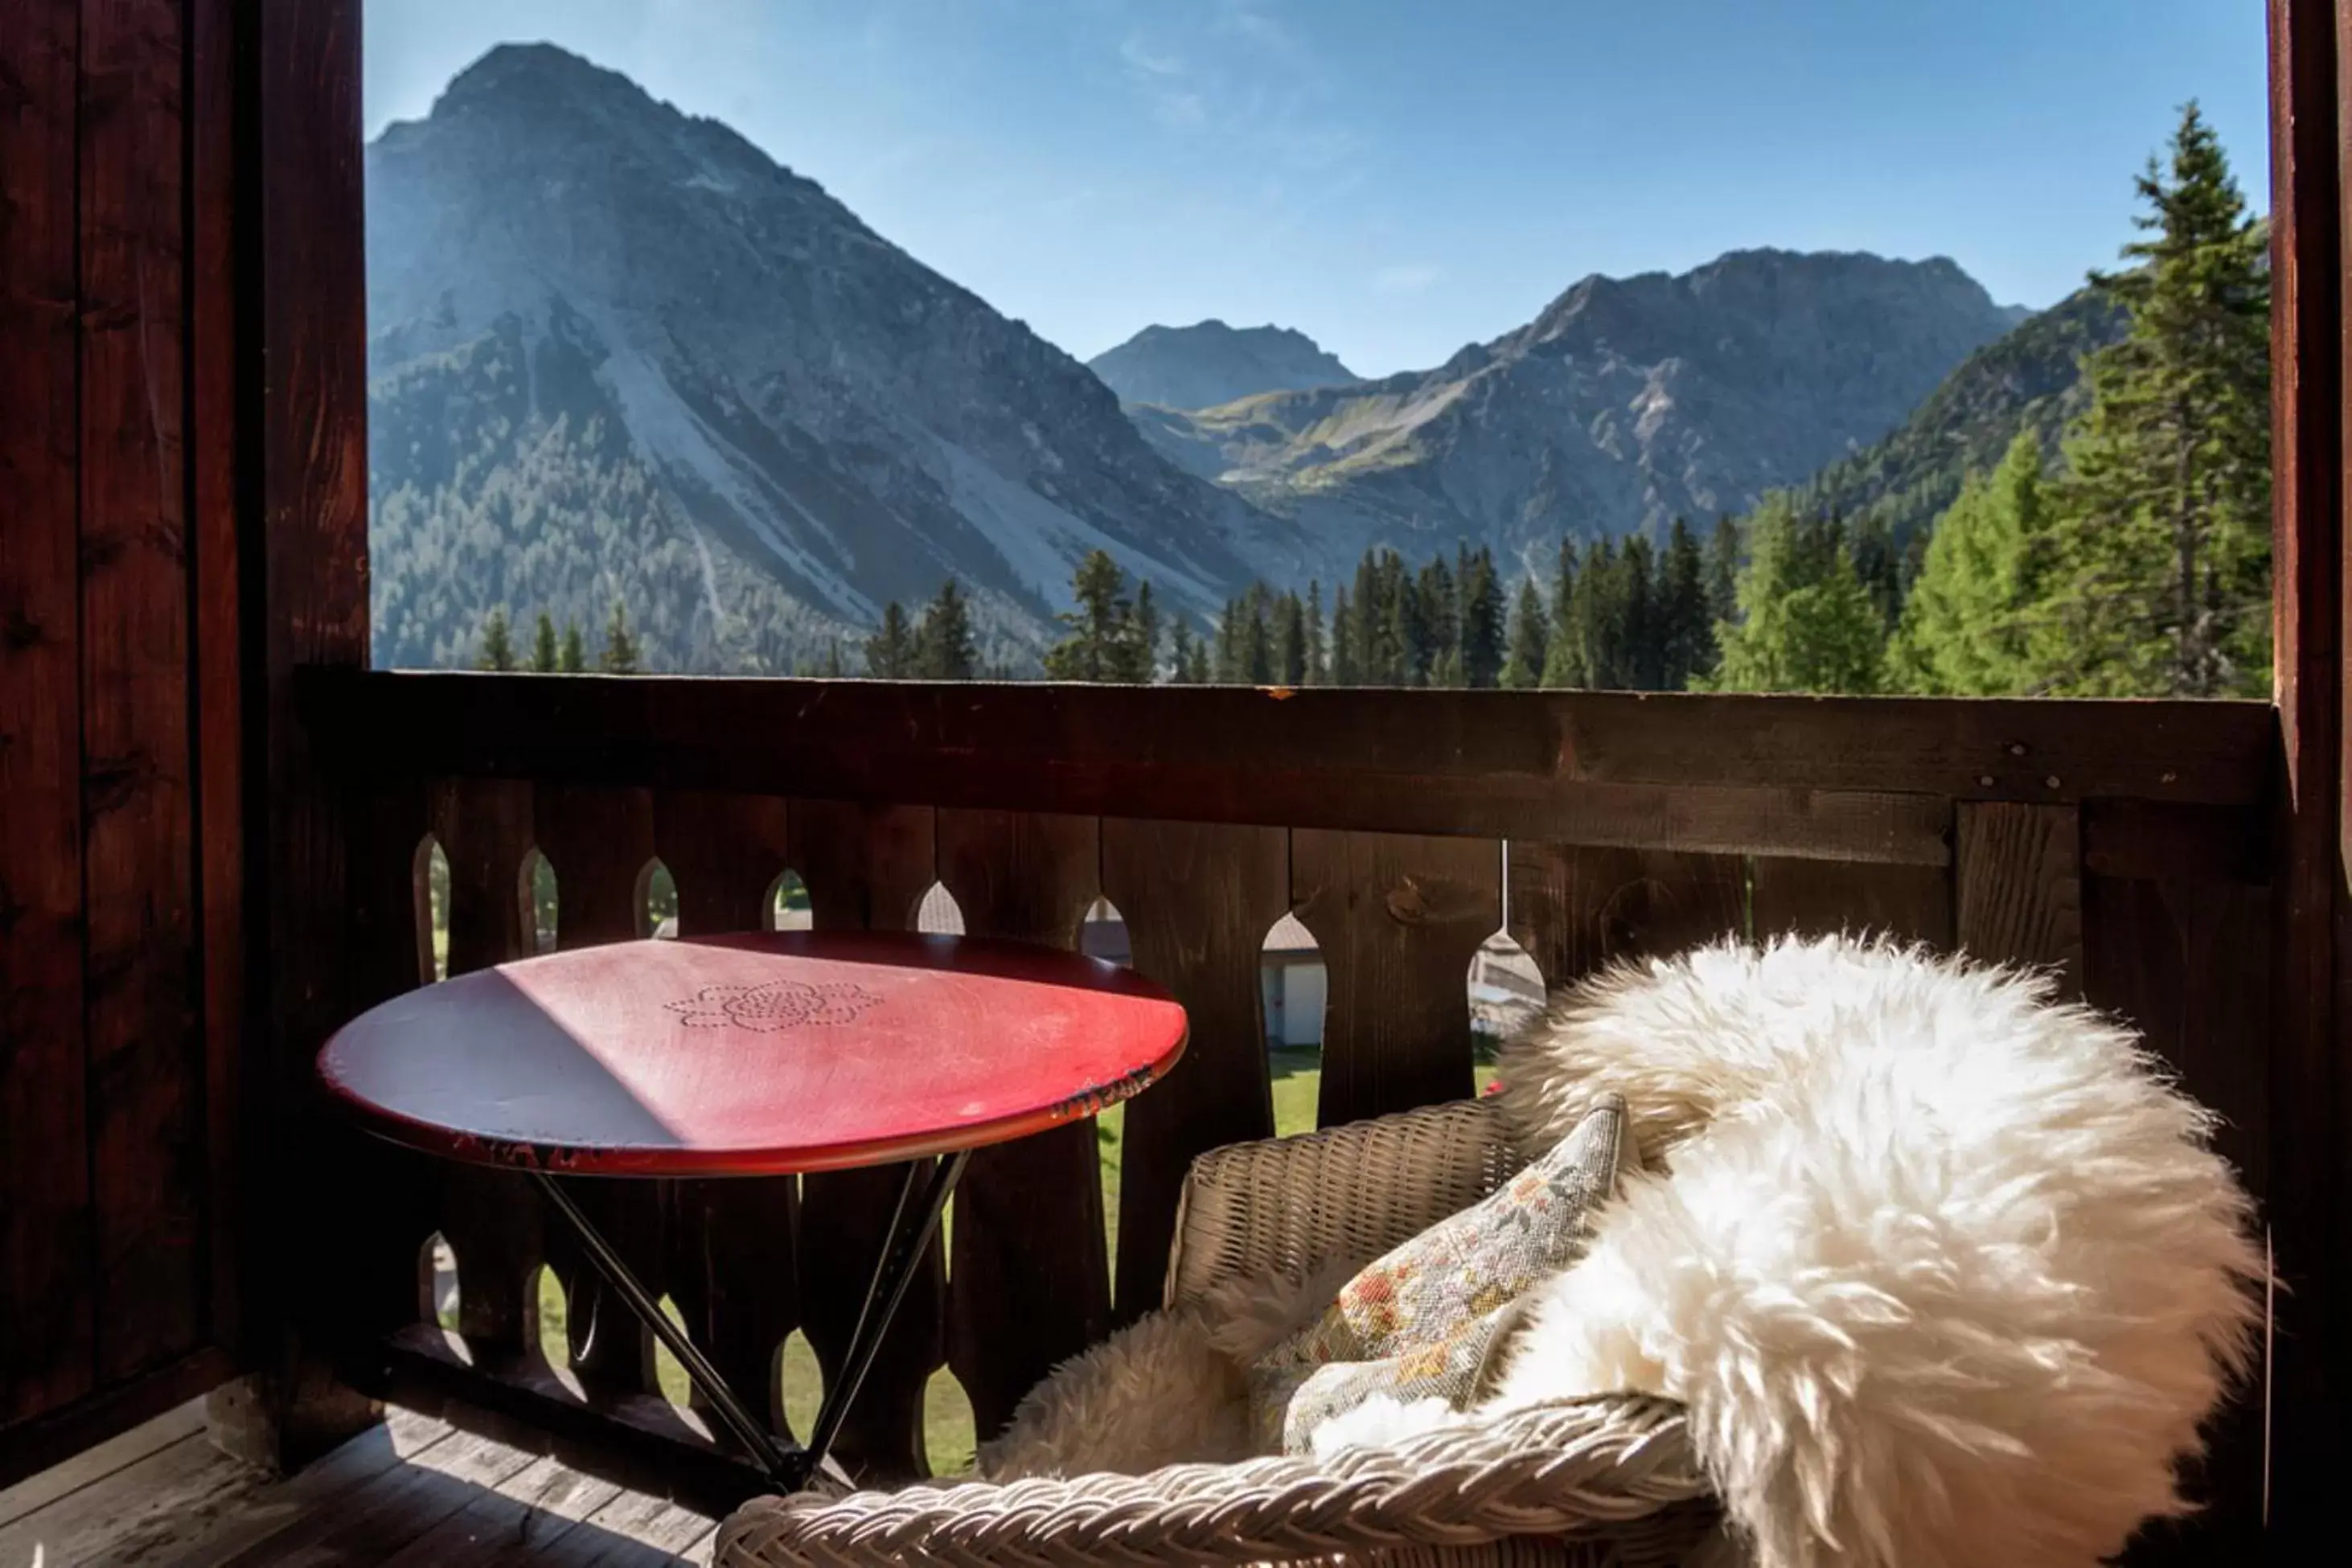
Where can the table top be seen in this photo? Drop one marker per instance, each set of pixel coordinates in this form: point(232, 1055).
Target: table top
point(755, 1054)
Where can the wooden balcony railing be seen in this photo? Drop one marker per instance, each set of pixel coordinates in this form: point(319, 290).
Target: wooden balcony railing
point(2123, 843)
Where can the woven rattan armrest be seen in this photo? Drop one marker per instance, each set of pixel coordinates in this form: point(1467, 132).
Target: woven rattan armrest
point(1618, 1470)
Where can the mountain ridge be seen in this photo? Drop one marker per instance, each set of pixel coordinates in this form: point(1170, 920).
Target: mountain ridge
point(617, 350)
point(1209, 363)
point(802, 396)
point(1622, 404)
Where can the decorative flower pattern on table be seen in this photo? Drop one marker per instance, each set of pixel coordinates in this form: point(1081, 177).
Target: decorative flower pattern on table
point(775, 1006)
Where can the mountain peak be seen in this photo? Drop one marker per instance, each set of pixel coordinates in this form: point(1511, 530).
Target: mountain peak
point(1210, 362)
point(537, 70)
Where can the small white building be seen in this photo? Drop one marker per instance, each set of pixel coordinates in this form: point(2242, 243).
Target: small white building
point(1291, 983)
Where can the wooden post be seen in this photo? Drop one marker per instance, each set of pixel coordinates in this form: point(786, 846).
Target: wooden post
point(2308, 1211)
point(306, 553)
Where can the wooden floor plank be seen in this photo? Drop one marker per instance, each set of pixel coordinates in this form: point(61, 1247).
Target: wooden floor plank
point(511, 1522)
point(373, 1523)
point(404, 1436)
point(134, 1510)
point(94, 1465)
point(412, 1493)
point(635, 1530)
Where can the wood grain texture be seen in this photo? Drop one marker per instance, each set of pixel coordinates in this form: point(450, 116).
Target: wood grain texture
point(1198, 901)
point(216, 626)
point(2148, 840)
point(509, 1521)
point(601, 844)
point(1322, 756)
point(371, 1261)
point(27, 1448)
point(867, 867)
point(306, 607)
point(2310, 1183)
point(46, 1285)
point(146, 1120)
point(1029, 1281)
point(395, 1508)
point(493, 1220)
point(1398, 919)
point(731, 1268)
point(2018, 886)
point(1577, 909)
point(2188, 965)
point(1823, 898)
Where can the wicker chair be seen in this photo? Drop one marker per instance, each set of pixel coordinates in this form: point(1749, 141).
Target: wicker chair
point(1588, 1483)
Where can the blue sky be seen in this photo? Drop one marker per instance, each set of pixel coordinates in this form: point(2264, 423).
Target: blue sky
point(1399, 177)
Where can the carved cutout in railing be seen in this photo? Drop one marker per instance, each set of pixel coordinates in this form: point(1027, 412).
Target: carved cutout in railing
point(599, 841)
point(1398, 918)
point(866, 868)
point(492, 1218)
point(1198, 899)
point(731, 1266)
point(1031, 1283)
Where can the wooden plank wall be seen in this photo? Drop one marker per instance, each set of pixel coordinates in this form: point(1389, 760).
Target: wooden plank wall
point(121, 858)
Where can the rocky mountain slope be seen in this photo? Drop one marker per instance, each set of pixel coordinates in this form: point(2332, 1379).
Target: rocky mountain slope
point(1625, 402)
point(2031, 377)
point(616, 349)
point(1210, 362)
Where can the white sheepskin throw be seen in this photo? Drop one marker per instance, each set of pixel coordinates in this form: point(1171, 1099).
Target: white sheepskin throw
point(1946, 1274)
point(1170, 1388)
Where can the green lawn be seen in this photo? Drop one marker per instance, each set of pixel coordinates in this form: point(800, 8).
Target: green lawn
point(1298, 1077)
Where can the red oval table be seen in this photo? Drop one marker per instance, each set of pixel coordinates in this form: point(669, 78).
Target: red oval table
point(762, 1054)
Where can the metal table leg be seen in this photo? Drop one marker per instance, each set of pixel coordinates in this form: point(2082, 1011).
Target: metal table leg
point(913, 1222)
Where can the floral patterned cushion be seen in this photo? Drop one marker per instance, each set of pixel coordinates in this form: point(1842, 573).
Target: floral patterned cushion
point(1430, 1318)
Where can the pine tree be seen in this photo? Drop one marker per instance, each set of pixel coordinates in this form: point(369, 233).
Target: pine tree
point(1563, 663)
point(498, 643)
point(1344, 667)
point(1723, 559)
point(1596, 619)
point(1879, 564)
point(832, 669)
point(544, 651)
point(1181, 644)
point(1197, 672)
point(1968, 623)
point(620, 655)
point(1640, 651)
point(1482, 620)
point(1254, 648)
point(2163, 527)
point(1806, 621)
point(1523, 665)
point(1373, 624)
point(1432, 631)
point(1098, 622)
point(891, 651)
point(1139, 644)
point(1287, 654)
point(1686, 628)
point(572, 656)
point(1318, 667)
point(944, 648)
